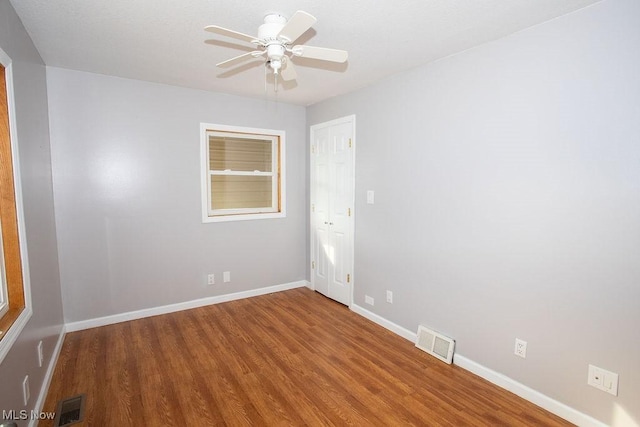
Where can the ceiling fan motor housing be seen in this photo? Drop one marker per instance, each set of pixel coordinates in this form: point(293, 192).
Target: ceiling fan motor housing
point(273, 23)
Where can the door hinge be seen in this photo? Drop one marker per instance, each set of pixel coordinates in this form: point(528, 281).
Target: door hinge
point(313, 149)
point(349, 211)
point(349, 142)
point(313, 264)
point(313, 207)
point(348, 278)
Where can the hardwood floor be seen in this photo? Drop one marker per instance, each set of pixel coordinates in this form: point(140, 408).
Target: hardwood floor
point(288, 358)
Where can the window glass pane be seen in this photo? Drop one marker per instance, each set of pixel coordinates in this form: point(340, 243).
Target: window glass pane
point(240, 192)
point(240, 154)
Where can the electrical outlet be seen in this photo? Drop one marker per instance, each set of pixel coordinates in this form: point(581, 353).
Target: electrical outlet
point(368, 300)
point(390, 297)
point(521, 348)
point(211, 279)
point(40, 354)
point(226, 276)
point(25, 390)
point(603, 380)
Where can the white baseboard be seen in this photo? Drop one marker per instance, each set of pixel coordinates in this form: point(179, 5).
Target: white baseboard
point(171, 308)
point(387, 324)
point(527, 393)
point(44, 390)
point(558, 408)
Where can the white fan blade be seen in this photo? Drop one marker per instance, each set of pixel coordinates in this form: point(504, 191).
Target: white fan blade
point(230, 33)
point(323, 53)
point(296, 25)
point(288, 71)
point(240, 59)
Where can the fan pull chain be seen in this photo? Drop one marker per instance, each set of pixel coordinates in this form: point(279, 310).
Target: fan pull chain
point(265, 82)
point(275, 89)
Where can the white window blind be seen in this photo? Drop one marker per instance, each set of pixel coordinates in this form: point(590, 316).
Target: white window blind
point(243, 173)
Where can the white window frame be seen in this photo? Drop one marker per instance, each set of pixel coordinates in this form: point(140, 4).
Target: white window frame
point(278, 167)
point(10, 336)
point(4, 294)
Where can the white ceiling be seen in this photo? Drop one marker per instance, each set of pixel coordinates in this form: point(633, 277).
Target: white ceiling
point(164, 41)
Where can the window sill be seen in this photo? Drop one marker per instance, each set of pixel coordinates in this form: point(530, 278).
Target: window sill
point(10, 336)
point(243, 217)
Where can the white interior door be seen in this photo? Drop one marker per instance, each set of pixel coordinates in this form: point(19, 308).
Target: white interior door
point(332, 214)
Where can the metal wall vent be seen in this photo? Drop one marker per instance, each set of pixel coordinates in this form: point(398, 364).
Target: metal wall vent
point(70, 411)
point(435, 344)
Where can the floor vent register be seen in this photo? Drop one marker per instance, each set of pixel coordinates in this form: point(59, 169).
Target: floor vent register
point(70, 411)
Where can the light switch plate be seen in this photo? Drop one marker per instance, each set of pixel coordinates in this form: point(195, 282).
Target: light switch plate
point(370, 197)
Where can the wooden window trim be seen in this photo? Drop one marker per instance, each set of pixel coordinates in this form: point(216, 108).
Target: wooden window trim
point(9, 219)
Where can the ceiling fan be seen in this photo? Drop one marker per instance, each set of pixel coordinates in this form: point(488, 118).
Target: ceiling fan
point(274, 41)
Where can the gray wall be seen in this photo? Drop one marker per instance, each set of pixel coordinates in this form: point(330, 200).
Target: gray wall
point(35, 164)
point(507, 183)
point(126, 167)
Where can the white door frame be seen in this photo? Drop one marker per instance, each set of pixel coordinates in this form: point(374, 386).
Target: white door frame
point(349, 250)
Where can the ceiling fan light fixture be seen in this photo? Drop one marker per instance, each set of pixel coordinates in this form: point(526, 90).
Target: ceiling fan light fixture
point(276, 65)
point(275, 51)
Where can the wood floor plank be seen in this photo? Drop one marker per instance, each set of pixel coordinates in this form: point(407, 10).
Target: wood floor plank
point(290, 358)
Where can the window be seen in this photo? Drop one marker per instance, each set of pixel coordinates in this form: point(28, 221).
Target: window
point(15, 308)
point(242, 173)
